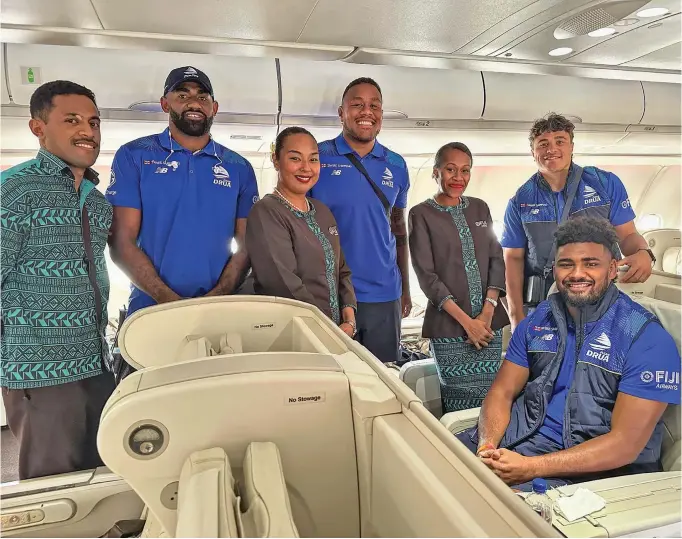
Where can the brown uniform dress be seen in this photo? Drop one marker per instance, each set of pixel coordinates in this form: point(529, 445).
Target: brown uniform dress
point(457, 256)
point(298, 255)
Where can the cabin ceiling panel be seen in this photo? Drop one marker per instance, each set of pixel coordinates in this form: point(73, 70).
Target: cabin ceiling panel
point(433, 26)
point(669, 57)
point(68, 13)
point(278, 20)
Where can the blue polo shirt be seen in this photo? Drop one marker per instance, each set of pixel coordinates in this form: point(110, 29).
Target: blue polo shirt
point(366, 238)
point(653, 351)
point(189, 204)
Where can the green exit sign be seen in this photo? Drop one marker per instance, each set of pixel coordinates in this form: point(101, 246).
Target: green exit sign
point(30, 75)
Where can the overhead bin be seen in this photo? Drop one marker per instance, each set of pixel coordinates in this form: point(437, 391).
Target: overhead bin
point(518, 97)
point(121, 78)
point(662, 103)
point(315, 89)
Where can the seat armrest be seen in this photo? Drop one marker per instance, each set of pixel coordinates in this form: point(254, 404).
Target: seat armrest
point(461, 420)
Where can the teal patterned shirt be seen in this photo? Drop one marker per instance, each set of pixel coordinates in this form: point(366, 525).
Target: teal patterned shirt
point(49, 326)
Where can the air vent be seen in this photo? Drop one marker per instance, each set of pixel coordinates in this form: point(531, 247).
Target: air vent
point(146, 106)
point(593, 19)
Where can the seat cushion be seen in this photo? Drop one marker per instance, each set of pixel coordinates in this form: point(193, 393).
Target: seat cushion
point(265, 496)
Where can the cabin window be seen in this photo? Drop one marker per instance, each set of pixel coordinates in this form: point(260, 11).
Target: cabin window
point(649, 221)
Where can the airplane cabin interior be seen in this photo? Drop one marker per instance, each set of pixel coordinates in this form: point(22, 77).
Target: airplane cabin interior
point(260, 418)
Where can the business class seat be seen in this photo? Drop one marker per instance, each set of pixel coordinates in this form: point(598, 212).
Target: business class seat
point(664, 283)
point(662, 242)
point(634, 503)
point(310, 433)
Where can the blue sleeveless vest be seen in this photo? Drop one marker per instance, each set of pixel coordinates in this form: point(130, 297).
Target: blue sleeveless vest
point(600, 360)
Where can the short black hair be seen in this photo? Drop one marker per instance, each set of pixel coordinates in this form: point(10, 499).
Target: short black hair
point(588, 230)
point(42, 99)
point(438, 161)
point(362, 80)
point(551, 123)
point(286, 133)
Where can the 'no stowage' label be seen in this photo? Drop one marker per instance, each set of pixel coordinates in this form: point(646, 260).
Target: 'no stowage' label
point(305, 399)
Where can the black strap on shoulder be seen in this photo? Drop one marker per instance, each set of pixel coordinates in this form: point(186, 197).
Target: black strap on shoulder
point(92, 277)
point(573, 182)
point(361, 168)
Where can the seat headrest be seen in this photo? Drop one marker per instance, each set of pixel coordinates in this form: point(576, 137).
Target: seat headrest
point(672, 261)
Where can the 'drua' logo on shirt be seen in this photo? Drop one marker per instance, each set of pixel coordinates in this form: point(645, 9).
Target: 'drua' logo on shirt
point(387, 178)
point(221, 176)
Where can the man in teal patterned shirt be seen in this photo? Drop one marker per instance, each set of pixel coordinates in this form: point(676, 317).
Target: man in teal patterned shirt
point(54, 373)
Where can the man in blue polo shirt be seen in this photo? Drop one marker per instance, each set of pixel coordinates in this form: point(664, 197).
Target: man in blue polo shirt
point(586, 379)
point(179, 199)
point(370, 212)
point(534, 212)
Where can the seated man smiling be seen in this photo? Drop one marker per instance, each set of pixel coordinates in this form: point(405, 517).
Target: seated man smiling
point(586, 379)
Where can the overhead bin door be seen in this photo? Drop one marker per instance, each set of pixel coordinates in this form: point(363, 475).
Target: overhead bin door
point(527, 97)
point(315, 89)
point(121, 78)
point(662, 103)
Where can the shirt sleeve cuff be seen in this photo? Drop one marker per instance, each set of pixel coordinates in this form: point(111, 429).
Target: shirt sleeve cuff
point(503, 290)
point(440, 305)
point(354, 307)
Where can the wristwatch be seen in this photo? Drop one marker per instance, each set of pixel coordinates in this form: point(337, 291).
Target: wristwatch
point(651, 254)
point(492, 302)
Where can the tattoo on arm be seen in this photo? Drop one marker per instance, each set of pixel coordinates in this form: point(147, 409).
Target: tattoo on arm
point(399, 229)
point(398, 226)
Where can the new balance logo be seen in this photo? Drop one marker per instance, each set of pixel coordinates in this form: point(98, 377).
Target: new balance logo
point(387, 178)
point(599, 348)
point(590, 195)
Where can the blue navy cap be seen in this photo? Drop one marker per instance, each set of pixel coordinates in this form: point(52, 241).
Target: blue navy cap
point(187, 74)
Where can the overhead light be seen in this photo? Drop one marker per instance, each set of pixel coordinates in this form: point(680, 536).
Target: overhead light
point(626, 22)
point(602, 32)
point(561, 51)
point(653, 12)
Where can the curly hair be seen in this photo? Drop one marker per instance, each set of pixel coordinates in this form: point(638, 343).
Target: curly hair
point(551, 123)
point(438, 161)
point(588, 230)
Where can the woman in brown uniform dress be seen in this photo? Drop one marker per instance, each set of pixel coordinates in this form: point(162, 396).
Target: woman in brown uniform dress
point(460, 268)
point(293, 241)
